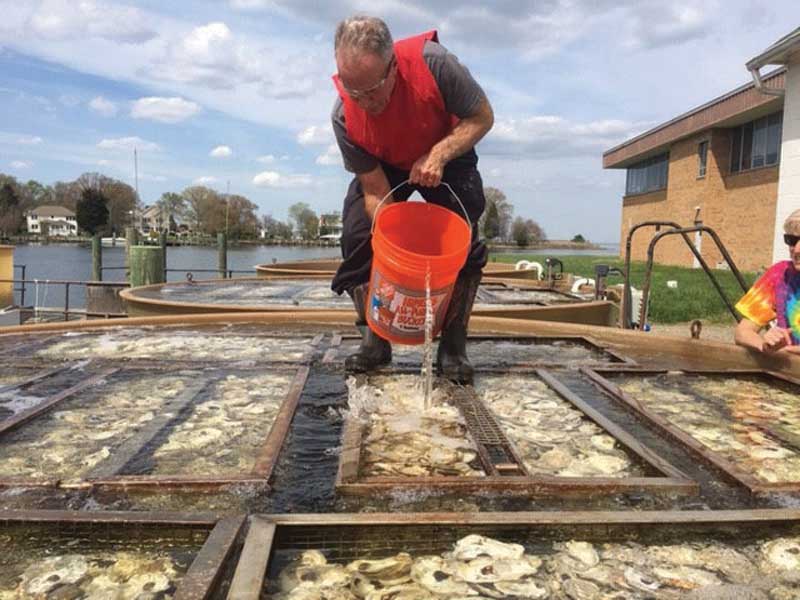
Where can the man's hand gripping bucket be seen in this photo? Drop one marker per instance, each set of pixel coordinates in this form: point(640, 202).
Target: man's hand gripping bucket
point(410, 239)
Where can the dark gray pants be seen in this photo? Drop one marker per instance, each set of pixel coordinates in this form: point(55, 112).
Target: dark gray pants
point(462, 175)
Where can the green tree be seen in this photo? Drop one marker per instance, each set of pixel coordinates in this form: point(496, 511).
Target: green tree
point(491, 224)
point(92, 211)
point(520, 233)
point(275, 229)
point(174, 206)
point(241, 218)
point(305, 220)
point(122, 201)
point(535, 232)
point(10, 210)
point(505, 210)
point(39, 194)
point(205, 209)
point(579, 239)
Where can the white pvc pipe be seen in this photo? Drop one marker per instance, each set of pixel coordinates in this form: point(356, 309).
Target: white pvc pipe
point(579, 282)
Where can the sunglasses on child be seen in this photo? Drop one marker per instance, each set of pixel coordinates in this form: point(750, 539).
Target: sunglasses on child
point(791, 240)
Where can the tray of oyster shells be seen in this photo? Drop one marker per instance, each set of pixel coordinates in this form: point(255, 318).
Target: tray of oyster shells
point(479, 567)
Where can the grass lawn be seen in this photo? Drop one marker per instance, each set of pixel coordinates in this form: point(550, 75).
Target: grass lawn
point(694, 298)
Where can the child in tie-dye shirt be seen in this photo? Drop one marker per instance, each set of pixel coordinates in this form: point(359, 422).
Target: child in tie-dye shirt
point(775, 297)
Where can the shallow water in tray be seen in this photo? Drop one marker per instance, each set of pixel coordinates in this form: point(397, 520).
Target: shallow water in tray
point(222, 434)
point(65, 561)
point(404, 439)
point(552, 436)
point(501, 354)
point(163, 344)
point(284, 292)
point(84, 431)
point(433, 563)
point(752, 423)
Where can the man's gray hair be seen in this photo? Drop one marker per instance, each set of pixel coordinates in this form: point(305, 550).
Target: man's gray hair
point(364, 33)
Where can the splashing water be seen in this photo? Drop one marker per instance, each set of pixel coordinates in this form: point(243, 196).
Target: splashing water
point(427, 360)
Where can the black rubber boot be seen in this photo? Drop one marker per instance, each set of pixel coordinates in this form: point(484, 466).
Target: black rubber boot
point(374, 351)
point(451, 357)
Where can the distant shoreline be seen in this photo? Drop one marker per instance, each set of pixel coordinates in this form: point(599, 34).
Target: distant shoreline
point(548, 245)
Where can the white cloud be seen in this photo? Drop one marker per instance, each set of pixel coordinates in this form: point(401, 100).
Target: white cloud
point(103, 162)
point(248, 4)
point(164, 110)
point(103, 106)
point(332, 156)
point(21, 164)
point(71, 20)
point(69, 100)
point(221, 152)
point(552, 136)
point(128, 143)
point(29, 140)
point(316, 135)
point(206, 180)
point(654, 26)
point(277, 180)
point(267, 159)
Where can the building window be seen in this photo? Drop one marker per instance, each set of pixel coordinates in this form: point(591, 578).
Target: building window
point(702, 158)
point(647, 176)
point(757, 144)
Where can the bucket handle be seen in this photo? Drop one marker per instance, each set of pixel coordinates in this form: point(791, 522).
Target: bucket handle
point(401, 184)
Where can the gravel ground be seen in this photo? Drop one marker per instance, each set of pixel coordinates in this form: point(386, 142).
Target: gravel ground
point(717, 332)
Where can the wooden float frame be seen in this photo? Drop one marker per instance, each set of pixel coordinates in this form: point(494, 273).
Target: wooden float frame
point(206, 570)
point(261, 540)
point(617, 358)
point(160, 363)
point(753, 484)
point(265, 461)
point(499, 478)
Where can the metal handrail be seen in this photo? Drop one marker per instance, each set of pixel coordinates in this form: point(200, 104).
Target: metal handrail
point(21, 290)
point(67, 283)
point(228, 271)
point(683, 232)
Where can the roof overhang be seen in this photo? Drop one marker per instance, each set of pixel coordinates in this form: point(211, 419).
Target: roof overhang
point(780, 53)
point(738, 106)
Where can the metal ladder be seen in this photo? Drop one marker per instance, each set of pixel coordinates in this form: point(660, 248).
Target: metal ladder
point(673, 229)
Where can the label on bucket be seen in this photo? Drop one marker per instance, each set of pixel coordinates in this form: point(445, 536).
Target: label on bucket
point(400, 312)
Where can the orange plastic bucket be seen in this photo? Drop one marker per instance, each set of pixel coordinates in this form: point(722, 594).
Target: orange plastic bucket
point(409, 239)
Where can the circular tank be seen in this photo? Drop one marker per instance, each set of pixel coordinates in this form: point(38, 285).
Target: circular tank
point(512, 298)
point(328, 267)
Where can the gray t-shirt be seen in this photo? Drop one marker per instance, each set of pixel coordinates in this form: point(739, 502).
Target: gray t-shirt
point(460, 92)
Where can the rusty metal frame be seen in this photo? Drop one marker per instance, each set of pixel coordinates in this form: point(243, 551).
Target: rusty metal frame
point(732, 471)
point(314, 341)
point(253, 567)
point(203, 574)
point(48, 403)
point(106, 475)
point(670, 481)
point(35, 378)
point(618, 359)
point(259, 475)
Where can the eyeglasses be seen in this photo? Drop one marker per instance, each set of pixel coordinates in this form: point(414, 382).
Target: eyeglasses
point(791, 240)
point(356, 94)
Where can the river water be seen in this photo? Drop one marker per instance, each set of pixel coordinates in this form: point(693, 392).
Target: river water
point(74, 262)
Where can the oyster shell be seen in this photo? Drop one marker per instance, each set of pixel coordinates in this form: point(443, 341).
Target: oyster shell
point(473, 546)
point(435, 575)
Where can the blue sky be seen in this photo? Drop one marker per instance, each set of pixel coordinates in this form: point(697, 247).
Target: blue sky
point(239, 91)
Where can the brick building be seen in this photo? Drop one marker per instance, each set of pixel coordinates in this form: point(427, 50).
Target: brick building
point(719, 163)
